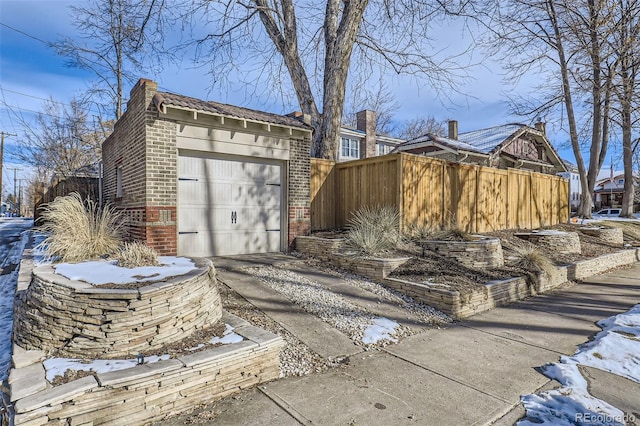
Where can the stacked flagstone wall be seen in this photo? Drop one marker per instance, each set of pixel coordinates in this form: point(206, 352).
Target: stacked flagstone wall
point(77, 319)
point(147, 392)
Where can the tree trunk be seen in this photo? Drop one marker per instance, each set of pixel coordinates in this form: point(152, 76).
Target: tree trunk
point(584, 209)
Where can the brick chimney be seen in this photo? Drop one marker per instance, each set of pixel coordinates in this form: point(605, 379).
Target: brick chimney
point(453, 130)
point(541, 126)
point(366, 122)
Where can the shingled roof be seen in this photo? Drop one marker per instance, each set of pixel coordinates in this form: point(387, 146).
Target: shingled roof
point(162, 99)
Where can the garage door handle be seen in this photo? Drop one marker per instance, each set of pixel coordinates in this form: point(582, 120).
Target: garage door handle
point(189, 232)
point(189, 179)
point(234, 217)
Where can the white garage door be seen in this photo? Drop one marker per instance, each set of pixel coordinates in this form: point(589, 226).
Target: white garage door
point(228, 206)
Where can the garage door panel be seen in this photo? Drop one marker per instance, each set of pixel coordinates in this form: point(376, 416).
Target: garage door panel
point(202, 218)
point(258, 219)
point(211, 189)
point(229, 242)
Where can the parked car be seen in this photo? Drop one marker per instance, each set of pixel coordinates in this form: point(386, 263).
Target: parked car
point(608, 213)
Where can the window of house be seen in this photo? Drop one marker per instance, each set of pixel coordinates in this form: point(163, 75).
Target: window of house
point(118, 181)
point(620, 181)
point(349, 148)
point(382, 149)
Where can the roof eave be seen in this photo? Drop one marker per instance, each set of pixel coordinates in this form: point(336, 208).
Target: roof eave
point(163, 107)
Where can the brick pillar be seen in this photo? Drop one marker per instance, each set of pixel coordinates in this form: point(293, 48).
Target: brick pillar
point(366, 122)
point(299, 209)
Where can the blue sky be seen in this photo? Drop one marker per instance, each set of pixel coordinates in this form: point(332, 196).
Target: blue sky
point(30, 71)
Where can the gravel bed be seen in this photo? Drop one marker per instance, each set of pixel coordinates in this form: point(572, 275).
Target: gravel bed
point(296, 359)
point(418, 311)
point(350, 319)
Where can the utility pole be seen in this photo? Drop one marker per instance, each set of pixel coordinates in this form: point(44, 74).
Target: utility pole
point(2, 136)
point(20, 200)
point(15, 187)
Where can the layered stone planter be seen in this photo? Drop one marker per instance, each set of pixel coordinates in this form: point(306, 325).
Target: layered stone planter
point(611, 236)
point(481, 252)
point(555, 241)
point(452, 302)
point(144, 393)
point(77, 319)
point(148, 392)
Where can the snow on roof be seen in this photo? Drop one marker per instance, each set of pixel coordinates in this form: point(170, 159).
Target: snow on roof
point(430, 138)
point(485, 140)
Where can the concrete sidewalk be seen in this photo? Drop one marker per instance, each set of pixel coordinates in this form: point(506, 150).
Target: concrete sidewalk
point(472, 372)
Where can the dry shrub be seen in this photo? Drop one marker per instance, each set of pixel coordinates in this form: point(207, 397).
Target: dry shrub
point(79, 230)
point(420, 231)
point(455, 234)
point(136, 254)
point(526, 256)
point(374, 231)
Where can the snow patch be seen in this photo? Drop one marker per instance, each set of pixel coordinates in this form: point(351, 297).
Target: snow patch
point(57, 366)
point(381, 329)
point(108, 272)
point(570, 405)
point(615, 349)
point(228, 337)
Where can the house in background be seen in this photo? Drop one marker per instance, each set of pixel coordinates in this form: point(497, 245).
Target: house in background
point(200, 178)
point(575, 186)
point(363, 142)
point(508, 146)
point(608, 191)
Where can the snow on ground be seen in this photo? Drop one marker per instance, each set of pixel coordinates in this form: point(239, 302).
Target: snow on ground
point(570, 405)
point(57, 366)
point(615, 349)
point(381, 329)
point(12, 242)
point(107, 272)
point(228, 337)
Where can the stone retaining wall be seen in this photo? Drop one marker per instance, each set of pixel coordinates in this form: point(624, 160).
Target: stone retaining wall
point(478, 253)
point(613, 236)
point(77, 319)
point(555, 241)
point(452, 302)
point(460, 306)
point(331, 250)
point(148, 392)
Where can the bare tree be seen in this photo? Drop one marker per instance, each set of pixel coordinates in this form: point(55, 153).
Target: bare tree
point(420, 126)
point(625, 43)
point(113, 36)
point(61, 139)
point(381, 100)
point(318, 43)
point(566, 41)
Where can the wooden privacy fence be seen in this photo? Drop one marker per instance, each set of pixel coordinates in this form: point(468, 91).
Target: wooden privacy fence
point(433, 192)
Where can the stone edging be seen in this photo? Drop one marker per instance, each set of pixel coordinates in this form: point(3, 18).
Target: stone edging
point(503, 292)
point(148, 392)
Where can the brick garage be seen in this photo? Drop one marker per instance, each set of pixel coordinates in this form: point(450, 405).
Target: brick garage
point(203, 178)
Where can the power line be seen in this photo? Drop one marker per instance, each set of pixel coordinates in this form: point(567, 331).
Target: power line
point(27, 35)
